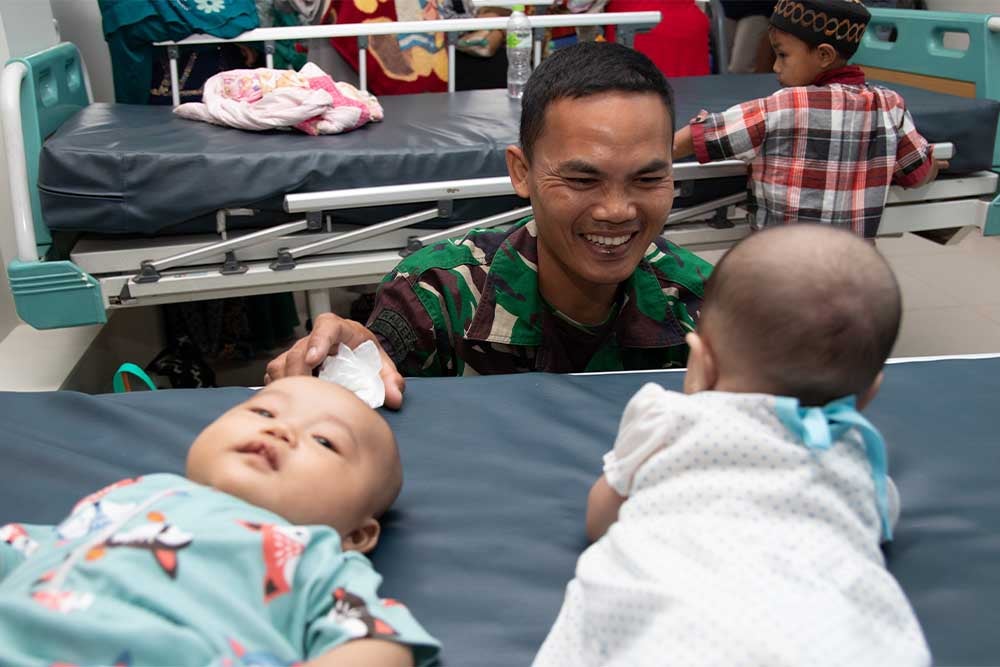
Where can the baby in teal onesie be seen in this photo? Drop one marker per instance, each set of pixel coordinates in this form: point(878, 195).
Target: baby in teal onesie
point(254, 558)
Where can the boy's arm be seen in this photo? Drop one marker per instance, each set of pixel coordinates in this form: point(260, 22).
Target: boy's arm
point(683, 143)
point(375, 652)
point(932, 173)
point(603, 504)
point(736, 133)
point(915, 163)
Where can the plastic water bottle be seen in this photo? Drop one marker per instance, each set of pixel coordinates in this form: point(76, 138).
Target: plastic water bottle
point(518, 52)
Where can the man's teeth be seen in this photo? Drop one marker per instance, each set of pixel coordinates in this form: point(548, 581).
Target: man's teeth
point(607, 240)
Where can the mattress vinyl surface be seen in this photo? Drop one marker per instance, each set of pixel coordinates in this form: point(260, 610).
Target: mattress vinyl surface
point(485, 535)
point(129, 169)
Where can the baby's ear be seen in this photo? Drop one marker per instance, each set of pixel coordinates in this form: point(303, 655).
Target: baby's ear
point(364, 537)
point(866, 397)
point(702, 372)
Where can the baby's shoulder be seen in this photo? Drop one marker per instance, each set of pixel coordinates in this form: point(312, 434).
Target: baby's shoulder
point(653, 401)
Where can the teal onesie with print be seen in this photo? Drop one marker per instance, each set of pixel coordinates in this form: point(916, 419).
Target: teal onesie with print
point(159, 570)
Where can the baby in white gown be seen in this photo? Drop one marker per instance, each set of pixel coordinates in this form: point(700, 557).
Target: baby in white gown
point(739, 523)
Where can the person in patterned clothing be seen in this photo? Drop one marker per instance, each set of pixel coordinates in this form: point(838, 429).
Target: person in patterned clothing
point(586, 284)
point(231, 565)
point(827, 146)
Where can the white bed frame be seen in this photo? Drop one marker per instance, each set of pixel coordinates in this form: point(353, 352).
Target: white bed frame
point(312, 255)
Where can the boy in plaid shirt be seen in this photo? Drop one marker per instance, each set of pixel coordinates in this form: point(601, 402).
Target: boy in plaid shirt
point(827, 146)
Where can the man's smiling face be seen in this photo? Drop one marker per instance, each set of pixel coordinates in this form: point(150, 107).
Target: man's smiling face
point(600, 182)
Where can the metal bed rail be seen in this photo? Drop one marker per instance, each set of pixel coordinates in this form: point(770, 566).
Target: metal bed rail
point(315, 205)
point(629, 23)
point(907, 211)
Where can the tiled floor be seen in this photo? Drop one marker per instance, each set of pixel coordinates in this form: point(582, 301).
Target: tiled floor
point(950, 297)
point(951, 294)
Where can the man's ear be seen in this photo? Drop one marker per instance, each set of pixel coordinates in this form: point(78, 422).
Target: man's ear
point(866, 397)
point(827, 55)
point(364, 537)
point(517, 167)
point(702, 370)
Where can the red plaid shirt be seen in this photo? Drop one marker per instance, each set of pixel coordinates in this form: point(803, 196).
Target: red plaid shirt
point(825, 153)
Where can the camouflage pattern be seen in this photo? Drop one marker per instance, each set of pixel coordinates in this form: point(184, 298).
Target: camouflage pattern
point(472, 307)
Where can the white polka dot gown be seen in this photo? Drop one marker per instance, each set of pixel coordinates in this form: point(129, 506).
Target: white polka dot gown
point(737, 546)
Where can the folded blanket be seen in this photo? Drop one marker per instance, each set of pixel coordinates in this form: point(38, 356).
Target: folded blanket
point(263, 99)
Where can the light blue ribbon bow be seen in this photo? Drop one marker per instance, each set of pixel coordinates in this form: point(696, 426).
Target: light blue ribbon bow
point(820, 428)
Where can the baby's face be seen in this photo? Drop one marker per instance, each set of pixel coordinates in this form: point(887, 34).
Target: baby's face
point(303, 448)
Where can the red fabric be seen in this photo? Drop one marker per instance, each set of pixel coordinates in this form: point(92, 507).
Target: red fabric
point(392, 68)
point(908, 180)
point(679, 44)
point(698, 140)
point(849, 75)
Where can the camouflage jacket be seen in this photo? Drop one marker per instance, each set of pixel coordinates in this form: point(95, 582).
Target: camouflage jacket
point(472, 307)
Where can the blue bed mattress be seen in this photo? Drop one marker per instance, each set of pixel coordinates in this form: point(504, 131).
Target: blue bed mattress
point(486, 533)
point(125, 169)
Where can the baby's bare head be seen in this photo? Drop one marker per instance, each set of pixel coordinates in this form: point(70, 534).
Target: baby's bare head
point(808, 311)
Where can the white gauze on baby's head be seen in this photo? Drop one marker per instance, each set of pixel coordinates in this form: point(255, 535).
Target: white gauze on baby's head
point(357, 370)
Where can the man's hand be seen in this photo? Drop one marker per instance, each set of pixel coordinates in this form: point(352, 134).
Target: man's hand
point(328, 332)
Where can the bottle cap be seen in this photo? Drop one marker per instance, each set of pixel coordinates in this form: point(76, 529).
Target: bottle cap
point(518, 8)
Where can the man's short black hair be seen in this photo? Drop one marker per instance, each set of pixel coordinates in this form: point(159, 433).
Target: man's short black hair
point(587, 68)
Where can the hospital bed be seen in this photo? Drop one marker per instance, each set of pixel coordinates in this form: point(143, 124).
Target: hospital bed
point(128, 206)
point(485, 535)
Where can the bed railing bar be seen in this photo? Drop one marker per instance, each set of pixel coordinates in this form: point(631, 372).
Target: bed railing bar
point(681, 215)
point(689, 171)
point(721, 44)
point(536, 38)
point(362, 234)
point(363, 63)
point(501, 218)
point(692, 171)
point(638, 19)
point(994, 24)
point(398, 194)
point(175, 86)
point(269, 53)
point(489, 187)
point(86, 80)
point(509, 4)
point(192, 256)
point(17, 162)
point(452, 37)
point(352, 269)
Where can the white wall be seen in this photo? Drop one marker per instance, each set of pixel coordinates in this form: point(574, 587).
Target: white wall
point(79, 22)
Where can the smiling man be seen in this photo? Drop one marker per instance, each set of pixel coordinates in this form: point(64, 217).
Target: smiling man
point(586, 284)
